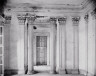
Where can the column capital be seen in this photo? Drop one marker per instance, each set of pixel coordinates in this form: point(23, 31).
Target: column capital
point(86, 17)
point(22, 17)
point(61, 20)
point(93, 13)
point(8, 19)
point(2, 20)
point(75, 20)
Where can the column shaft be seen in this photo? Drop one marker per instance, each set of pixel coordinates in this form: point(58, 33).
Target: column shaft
point(76, 45)
point(58, 46)
point(53, 50)
point(25, 48)
point(30, 50)
point(63, 47)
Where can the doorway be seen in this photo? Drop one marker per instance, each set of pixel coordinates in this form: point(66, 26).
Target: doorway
point(41, 50)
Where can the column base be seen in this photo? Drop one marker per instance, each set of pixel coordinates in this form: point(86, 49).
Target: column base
point(30, 72)
point(62, 71)
point(69, 71)
point(21, 72)
point(75, 71)
point(83, 72)
point(52, 72)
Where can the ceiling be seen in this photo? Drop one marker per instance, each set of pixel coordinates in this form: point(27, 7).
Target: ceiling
point(65, 2)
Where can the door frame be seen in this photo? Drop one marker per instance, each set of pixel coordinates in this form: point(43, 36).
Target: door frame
point(48, 45)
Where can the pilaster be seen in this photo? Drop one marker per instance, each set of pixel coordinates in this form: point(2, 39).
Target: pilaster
point(60, 53)
point(75, 21)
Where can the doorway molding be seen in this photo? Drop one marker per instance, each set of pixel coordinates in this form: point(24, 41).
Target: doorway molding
point(48, 45)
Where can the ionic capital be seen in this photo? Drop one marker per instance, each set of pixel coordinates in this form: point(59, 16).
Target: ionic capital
point(86, 17)
point(75, 20)
point(61, 20)
point(23, 17)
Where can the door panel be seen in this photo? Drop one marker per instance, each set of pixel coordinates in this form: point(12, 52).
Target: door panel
point(41, 49)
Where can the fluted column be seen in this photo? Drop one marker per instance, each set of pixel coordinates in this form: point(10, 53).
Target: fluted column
point(86, 35)
point(27, 20)
point(62, 44)
point(53, 45)
point(58, 46)
point(24, 24)
point(60, 22)
point(20, 47)
point(26, 46)
point(30, 19)
point(76, 44)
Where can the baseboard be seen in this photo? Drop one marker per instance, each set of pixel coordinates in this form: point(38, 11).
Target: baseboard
point(83, 72)
point(62, 71)
point(89, 74)
point(13, 71)
point(69, 71)
point(72, 71)
point(75, 71)
point(21, 72)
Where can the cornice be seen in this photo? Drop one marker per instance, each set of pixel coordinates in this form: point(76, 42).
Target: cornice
point(38, 6)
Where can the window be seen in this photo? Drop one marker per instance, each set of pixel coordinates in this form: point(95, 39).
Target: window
point(1, 51)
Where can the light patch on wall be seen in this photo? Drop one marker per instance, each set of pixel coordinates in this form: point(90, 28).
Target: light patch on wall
point(19, 46)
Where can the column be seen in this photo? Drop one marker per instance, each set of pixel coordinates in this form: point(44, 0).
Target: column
point(24, 38)
point(30, 46)
point(26, 46)
point(91, 43)
point(58, 46)
point(62, 44)
point(18, 28)
point(86, 42)
point(53, 45)
point(76, 45)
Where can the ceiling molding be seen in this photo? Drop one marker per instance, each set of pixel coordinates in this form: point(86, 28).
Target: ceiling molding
point(35, 7)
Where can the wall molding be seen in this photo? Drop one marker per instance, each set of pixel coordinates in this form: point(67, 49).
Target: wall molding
point(13, 71)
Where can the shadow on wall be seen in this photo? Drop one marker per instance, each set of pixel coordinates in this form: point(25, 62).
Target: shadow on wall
point(94, 1)
point(2, 5)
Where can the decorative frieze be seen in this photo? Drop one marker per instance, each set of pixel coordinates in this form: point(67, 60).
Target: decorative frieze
point(75, 20)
